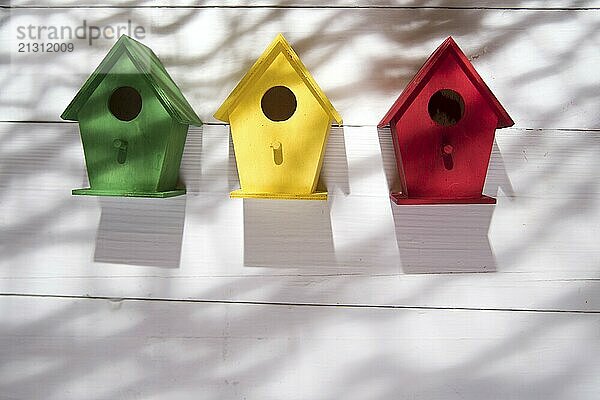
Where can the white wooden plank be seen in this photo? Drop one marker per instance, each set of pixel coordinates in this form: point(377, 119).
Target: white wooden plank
point(539, 63)
point(513, 4)
point(96, 349)
point(538, 242)
point(359, 161)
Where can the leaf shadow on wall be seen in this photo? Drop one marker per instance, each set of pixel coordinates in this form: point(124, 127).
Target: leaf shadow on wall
point(236, 350)
point(146, 232)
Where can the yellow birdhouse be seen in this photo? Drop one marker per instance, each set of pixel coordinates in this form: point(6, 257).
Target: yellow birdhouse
point(280, 122)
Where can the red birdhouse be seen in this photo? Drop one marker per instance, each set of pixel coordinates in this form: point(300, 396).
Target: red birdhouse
point(443, 127)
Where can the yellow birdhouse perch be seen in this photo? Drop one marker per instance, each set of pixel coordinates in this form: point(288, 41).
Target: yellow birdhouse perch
point(280, 122)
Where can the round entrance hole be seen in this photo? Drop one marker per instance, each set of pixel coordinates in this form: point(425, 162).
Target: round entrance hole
point(446, 107)
point(278, 103)
point(125, 103)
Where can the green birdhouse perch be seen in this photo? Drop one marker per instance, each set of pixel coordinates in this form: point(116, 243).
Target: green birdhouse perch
point(133, 121)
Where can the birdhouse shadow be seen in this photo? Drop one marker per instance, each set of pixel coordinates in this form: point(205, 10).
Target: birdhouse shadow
point(334, 174)
point(233, 178)
point(136, 231)
point(287, 234)
point(444, 238)
point(394, 180)
point(191, 167)
point(497, 177)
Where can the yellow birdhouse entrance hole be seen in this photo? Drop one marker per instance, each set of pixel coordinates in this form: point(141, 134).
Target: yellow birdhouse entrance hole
point(280, 121)
point(278, 103)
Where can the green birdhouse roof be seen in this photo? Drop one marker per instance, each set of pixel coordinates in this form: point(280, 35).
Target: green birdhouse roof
point(150, 68)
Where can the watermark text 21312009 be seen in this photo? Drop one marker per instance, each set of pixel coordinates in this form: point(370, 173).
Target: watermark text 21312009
point(50, 33)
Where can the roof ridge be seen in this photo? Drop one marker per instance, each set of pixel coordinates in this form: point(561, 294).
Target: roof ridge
point(145, 61)
point(279, 45)
point(415, 85)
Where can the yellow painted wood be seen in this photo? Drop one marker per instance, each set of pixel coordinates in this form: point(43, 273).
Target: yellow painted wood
point(278, 159)
point(238, 194)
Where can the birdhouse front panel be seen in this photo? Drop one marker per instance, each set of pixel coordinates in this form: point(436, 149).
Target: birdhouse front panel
point(445, 136)
point(128, 136)
point(279, 132)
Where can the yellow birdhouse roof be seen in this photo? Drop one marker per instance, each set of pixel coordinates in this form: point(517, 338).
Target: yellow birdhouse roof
point(278, 46)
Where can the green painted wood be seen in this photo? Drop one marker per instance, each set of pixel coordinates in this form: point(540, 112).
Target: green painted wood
point(131, 150)
point(96, 192)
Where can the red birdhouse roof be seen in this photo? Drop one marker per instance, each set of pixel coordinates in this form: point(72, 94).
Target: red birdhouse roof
point(415, 86)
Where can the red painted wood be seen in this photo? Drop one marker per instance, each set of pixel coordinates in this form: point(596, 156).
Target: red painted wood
point(439, 163)
point(400, 199)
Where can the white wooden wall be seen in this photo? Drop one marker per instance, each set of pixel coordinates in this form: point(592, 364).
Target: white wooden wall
point(205, 297)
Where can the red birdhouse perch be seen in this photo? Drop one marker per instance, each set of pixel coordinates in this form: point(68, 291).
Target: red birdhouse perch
point(443, 127)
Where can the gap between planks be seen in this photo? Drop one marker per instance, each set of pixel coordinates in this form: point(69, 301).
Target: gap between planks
point(323, 275)
point(333, 125)
point(334, 7)
point(300, 304)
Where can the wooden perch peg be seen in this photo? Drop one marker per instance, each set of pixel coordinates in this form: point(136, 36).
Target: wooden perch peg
point(277, 153)
point(121, 146)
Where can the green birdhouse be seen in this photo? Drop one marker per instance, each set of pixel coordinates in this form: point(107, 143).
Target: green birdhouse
point(133, 121)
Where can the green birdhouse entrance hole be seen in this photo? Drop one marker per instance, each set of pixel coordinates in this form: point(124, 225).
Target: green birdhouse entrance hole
point(125, 103)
